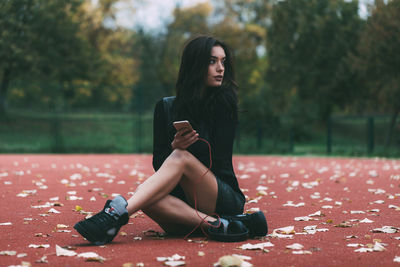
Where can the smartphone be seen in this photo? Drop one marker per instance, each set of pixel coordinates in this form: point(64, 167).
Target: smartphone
point(183, 125)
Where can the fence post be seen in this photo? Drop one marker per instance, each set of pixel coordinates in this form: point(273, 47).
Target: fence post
point(139, 119)
point(291, 140)
point(329, 135)
point(370, 135)
point(58, 146)
point(259, 135)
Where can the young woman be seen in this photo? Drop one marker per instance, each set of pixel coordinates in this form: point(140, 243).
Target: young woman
point(185, 192)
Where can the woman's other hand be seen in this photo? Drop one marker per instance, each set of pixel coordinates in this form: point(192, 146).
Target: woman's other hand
point(184, 139)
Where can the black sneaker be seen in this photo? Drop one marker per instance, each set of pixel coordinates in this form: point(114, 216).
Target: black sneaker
point(255, 222)
point(102, 227)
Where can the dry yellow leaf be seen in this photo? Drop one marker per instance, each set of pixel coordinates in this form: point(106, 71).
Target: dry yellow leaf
point(229, 261)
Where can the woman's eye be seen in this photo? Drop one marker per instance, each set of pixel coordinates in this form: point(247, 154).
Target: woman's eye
point(212, 61)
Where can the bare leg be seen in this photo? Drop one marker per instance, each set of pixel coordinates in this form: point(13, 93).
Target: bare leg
point(175, 216)
point(183, 168)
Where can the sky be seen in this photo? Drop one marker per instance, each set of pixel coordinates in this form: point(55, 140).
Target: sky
point(151, 15)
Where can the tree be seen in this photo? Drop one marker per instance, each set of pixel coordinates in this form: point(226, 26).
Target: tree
point(186, 23)
point(307, 44)
point(114, 70)
point(39, 39)
point(377, 60)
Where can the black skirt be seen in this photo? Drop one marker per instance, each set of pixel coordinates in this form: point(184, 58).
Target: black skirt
point(229, 202)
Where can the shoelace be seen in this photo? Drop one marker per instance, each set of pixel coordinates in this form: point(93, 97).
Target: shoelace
point(103, 217)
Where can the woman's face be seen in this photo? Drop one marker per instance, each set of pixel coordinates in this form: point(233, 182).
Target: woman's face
point(216, 67)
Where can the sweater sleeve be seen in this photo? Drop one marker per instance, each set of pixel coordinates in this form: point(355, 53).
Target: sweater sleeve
point(223, 138)
point(161, 142)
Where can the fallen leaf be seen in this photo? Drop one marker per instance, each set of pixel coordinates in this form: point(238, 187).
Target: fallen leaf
point(291, 204)
point(42, 260)
point(385, 229)
point(312, 229)
point(252, 210)
point(366, 220)
point(285, 230)
point(259, 246)
point(301, 252)
point(304, 218)
point(295, 246)
point(357, 212)
point(394, 207)
point(39, 246)
point(344, 224)
point(375, 247)
point(355, 245)
point(154, 234)
point(364, 250)
point(378, 247)
point(52, 210)
point(232, 261)
point(64, 252)
point(174, 257)
point(78, 208)
point(91, 256)
point(174, 260)
point(8, 253)
point(317, 214)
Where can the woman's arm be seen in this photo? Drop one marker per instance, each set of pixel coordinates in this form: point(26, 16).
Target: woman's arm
point(161, 142)
point(223, 132)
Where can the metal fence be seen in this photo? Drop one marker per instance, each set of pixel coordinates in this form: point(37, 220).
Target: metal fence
point(133, 133)
point(362, 135)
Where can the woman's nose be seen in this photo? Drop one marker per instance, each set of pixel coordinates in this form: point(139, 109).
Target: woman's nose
point(220, 66)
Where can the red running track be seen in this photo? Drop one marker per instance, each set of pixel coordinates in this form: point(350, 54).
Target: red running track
point(348, 198)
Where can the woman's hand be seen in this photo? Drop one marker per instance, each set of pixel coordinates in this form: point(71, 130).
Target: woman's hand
point(184, 139)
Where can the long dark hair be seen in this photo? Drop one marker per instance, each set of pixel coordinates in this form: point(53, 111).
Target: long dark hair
point(194, 100)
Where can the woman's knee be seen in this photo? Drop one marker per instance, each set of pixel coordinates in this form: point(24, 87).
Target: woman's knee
point(180, 156)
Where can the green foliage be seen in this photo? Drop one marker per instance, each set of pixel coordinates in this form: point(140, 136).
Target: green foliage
point(378, 57)
point(307, 43)
point(297, 61)
point(39, 41)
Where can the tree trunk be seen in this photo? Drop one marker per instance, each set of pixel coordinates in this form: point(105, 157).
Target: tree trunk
point(391, 126)
point(3, 91)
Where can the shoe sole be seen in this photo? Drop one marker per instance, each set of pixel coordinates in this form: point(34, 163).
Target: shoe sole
point(223, 235)
point(229, 237)
point(261, 227)
point(83, 232)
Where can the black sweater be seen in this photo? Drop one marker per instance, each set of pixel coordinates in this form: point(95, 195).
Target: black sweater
point(220, 135)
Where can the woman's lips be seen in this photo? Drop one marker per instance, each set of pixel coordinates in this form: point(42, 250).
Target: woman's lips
point(219, 78)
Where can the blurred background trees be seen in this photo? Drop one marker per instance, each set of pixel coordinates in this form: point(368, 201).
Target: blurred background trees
point(298, 60)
